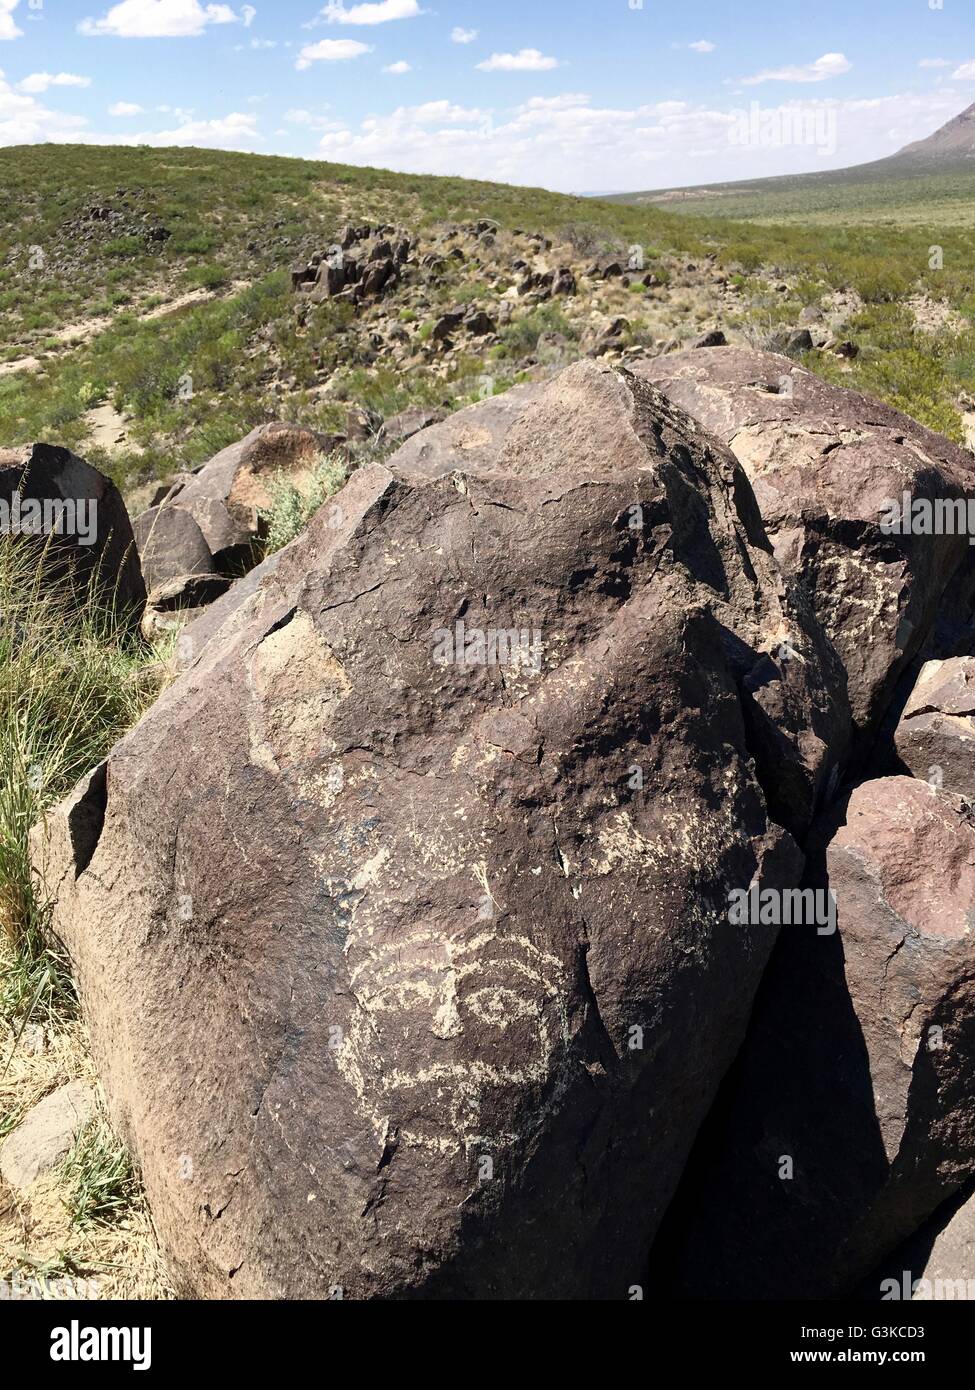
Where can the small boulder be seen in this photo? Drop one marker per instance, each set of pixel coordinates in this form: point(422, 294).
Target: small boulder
point(46, 1134)
point(935, 738)
point(715, 338)
point(170, 545)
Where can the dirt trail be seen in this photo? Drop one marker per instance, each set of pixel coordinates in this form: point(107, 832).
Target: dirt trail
point(78, 334)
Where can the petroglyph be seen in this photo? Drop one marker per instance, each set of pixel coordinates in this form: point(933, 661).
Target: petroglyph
point(472, 1021)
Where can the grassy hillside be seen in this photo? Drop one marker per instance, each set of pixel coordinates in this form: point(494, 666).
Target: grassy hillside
point(126, 272)
point(888, 192)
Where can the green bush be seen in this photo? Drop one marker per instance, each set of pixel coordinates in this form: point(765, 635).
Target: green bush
point(292, 508)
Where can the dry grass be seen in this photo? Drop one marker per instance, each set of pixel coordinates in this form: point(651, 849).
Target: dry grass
point(42, 1236)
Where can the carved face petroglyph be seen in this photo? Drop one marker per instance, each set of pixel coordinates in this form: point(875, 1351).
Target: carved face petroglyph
point(448, 1031)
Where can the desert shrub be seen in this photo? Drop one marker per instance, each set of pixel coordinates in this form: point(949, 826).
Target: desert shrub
point(292, 507)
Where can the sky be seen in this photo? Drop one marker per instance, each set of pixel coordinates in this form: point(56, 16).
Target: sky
point(574, 95)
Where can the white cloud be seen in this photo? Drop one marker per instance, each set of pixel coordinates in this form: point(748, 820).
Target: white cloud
point(248, 14)
point(397, 69)
point(380, 12)
point(41, 81)
point(966, 73)
point(703, 46)
point(234, 132)
point(565, 142)
point(462, 35)
point(24, 121)
point(259, 45)
point(934, 63)
point(525, 60)
point(8, 25)
point(158, 19)
point(125, 108)
point(330, 51)
point(829, 65)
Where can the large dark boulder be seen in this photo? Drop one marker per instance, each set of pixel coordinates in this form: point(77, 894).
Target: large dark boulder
point(425, 979)
point(824, 463)
point(57, 502)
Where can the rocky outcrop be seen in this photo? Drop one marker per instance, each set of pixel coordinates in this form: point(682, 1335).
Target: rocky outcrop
point(825, 463)
point(420, 921)
point(935, 739)
point(51, 498)
point(851, 1114)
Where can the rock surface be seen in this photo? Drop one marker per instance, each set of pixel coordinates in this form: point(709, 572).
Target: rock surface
point(935, 739)
point(45, 1135)
point(171, 545)
point(855, 1070)
point(824, 462)
point(427, 913)
point(938, 1262)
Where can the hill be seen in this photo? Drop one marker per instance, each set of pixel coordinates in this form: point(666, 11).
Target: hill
point(148, 318)
point(931, 179)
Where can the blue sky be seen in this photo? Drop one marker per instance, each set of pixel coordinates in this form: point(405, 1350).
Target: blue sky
point(577, 95)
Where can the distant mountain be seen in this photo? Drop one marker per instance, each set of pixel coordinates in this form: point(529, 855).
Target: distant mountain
point(956, 140)
point(950, 149)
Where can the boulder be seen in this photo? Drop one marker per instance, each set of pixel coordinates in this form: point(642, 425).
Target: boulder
point(826, 464)
point(468, 440)
point(938, 1262)
point(715, 338)
point(445, 325)
point(406, 423)
point(44, 1137)
point(420, 921)
point(51, 498)
point(171, 545)
point(935, 738)
point(849, 1119)
point(225, 496)
point(479, 323)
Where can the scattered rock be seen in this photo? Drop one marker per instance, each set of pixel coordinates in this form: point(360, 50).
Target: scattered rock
point(715, 338)
point(46, 1134)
